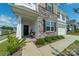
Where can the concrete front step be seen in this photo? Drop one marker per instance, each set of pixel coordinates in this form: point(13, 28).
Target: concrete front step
point(30, 39)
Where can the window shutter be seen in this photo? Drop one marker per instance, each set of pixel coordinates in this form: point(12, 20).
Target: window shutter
point(55, 26)
point(46, 6)
point(44, 25)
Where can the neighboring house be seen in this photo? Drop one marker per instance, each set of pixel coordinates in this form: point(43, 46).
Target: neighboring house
point(77, 25)
point(41, 18)
point(71, 25)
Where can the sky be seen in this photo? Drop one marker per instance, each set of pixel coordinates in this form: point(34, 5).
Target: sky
point(7, 17)
point(68, 9)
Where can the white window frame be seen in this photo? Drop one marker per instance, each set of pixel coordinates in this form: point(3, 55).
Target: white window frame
point(63, 17)
point(49, 26)
point(50, 6)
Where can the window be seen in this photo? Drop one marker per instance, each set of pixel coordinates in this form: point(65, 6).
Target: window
point(47, 26)
point(58, 14)
point(50, 26)
point(49, 6)
point(63, 17)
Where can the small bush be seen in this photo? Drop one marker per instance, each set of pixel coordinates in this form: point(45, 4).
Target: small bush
point(59, 37)
point(62, 37)
point(13, 44)
point(40, 41)
point(48, 39)
point(53, 37)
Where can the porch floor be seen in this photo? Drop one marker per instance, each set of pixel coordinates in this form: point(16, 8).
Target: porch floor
point(30, 39)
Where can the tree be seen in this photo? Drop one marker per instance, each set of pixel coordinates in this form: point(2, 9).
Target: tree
point(76, 10)
point(7, 27)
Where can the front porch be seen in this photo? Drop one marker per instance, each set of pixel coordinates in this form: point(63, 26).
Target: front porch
point(26, 27)
point(26, 20)
point(29, 27)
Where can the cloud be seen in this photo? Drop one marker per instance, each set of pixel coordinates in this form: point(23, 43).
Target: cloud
point(69, 3)
point(6, 20)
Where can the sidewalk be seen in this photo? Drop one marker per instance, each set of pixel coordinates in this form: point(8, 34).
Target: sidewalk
point(62, 44)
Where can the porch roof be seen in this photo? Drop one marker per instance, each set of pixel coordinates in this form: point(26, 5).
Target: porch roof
point(24, 12)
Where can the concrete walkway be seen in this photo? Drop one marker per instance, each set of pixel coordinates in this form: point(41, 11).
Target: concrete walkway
point(3, 40)
point(62, 44)
point(47, 50)
point(30, 50)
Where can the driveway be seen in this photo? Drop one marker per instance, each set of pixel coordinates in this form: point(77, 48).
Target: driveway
point(2, 37)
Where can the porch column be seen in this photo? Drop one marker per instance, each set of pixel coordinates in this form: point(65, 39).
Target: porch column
point(19, 27)
point(39, 27)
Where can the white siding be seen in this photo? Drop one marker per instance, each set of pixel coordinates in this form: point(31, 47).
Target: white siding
point(0, 32)
point(60, 19)
point(19, 32)
point(61, 31)
point(61, 24)
point(28, 5)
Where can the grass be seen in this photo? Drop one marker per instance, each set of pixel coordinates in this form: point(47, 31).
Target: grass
point(11, 45)
point(72, 46)
point(3, 47)
point(75, 32)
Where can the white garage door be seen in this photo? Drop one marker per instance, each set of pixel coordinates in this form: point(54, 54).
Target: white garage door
point(0, 32)
point(61, 31)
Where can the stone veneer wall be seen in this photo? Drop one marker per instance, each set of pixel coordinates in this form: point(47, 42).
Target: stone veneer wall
point(44, 14)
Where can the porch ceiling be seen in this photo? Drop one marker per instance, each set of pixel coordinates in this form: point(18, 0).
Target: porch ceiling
point(28, 13)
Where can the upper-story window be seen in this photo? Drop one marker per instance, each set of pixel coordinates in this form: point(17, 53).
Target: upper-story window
point(49, 6)
point(63, 17)
point(58, 14)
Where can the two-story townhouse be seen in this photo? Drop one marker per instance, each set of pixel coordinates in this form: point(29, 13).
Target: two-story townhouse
point(39, 19)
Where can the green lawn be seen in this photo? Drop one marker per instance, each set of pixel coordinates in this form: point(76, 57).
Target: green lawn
point(11, 45)
point(3, 47)
point(73, 33)
point(72, 46)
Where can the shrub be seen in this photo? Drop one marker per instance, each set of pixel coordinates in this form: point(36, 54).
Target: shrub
point(48, 39)
point(40, 41)
point(59, 37)
point(76, 31)
point(14, 44)
point(53, 37)
point(62, 37)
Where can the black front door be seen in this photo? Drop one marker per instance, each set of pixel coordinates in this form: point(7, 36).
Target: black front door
point(26, 30)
